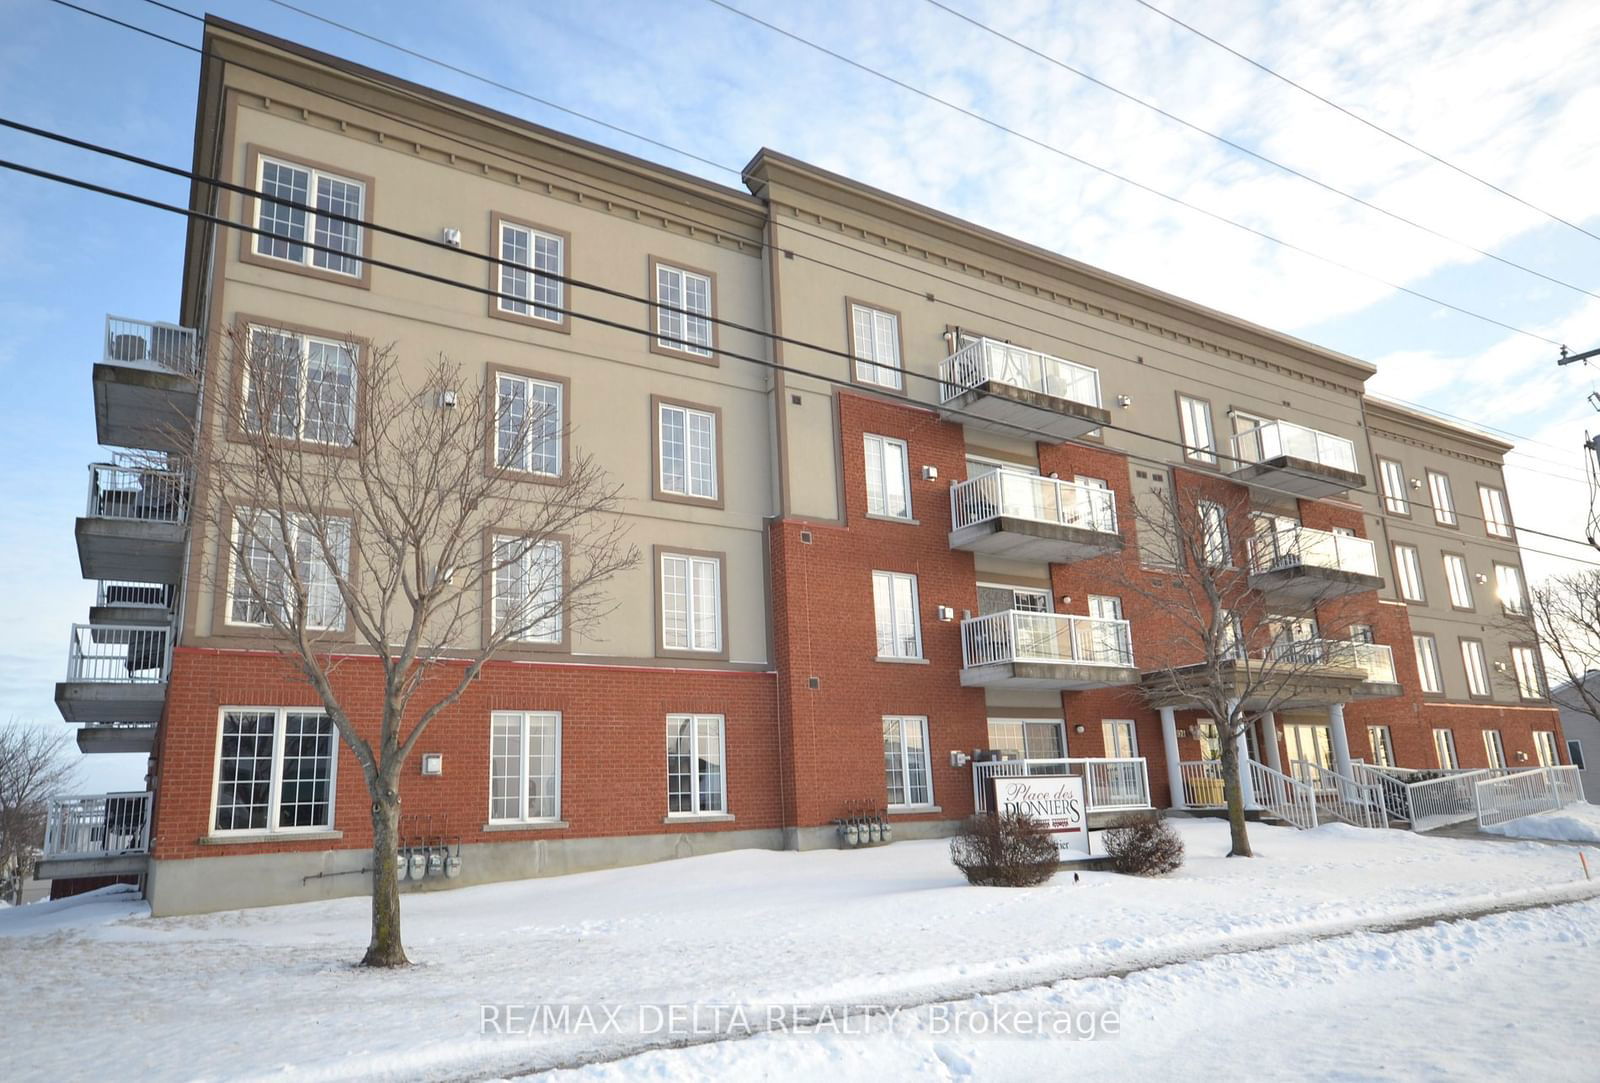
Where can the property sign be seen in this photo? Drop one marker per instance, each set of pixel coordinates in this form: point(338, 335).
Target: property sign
point(1056, 801)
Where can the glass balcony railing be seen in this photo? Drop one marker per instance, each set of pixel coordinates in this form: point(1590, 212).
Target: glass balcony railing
point(1018, 494)
point(984, 360)
point(1020, 636)
point(1303, 547)
point(1278, 439)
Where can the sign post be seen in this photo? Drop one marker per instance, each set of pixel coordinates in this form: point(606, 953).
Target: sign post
point(1055, 801)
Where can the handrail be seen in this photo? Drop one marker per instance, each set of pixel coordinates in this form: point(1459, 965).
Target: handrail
point(152, 344)
point(1359, 803)
point(1301, 546)
point(1288, 798)
point(119, 653)
point(1524, 793)
point(1016, 635)
point(98, 825)
point(1021, 495)
point(985, 359)
point(146, 494)
point(1110, 783)
point(1279, 439)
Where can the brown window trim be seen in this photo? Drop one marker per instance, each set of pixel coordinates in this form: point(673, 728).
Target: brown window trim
point(563, 325)
point(1488, 670)
point(1383, 489)
point(1422, 582)
point(653, 262)
point(491, 445)
point(1427, 479)
point(1191, 457)
point(233, 424)
point(1444, 556)
point(517, 647)
point(1538, 662)
point(656, 492)
point(850, 305)
point(247, 241)
point(222, 587)
point(1511, 524)
point(656, 553)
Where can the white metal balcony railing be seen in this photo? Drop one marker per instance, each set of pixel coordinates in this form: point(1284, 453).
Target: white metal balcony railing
point(1015, 635)
point(986, 359)
point(119, 654)
point(121, 592)
point(1301, 546)
point(1109, 784)
point(148, 494)
point(98, 825)
point(1020, 495)
point(152, 344)
point(1276, 439)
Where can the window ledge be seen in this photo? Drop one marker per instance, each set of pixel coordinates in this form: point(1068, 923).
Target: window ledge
point(270, 836)
point(903, 661)
point(912, 810)
point(698, 818)
point(893, 519)
point(526, 825)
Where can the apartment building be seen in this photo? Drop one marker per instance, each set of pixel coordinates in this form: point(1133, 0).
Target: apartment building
point(876, 547)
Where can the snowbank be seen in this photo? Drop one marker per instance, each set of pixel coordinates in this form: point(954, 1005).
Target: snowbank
point(1575, 823)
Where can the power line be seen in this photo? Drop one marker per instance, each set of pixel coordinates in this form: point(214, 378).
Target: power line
point(1257, 155)
point(1358, 118)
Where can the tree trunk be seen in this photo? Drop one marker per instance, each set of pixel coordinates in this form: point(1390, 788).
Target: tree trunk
point(1233, 793)
point(386, 948)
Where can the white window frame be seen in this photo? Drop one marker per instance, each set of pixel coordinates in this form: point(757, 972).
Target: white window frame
point(692, 606)
point(1476, 663)
point(697, 791)
point(1381, 741)
point(1396, 498)
point(1110, 742)
point(892, 620)
point(1429, 675)
point(275, 781)
point(1217, 546)
point(1408, 582)
point(882, 479)
point(345, 399)
point(875, 335)
point(274, 565)
point(1494, 746)
point(689, 331)
point(1545, 748)
point(1444, 501)
point(1508, 582)
point(549, 628)
point(1459, 580)
point(527, 289)
point(262, 243)
point(1023, 727)
point(1198, 432)
point(525, 721)
point(1496, 512)
point(1444, 749)
point(1529, 668)
point(540, 450)
point(905, 753)
point(699, 449)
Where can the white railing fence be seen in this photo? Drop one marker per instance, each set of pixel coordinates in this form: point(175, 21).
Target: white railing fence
point(1202, 783)
point(1524, 793)
point(98, 825)
point(1396, 794)
point(127, 593)
point(152, 344)
point(1109, 784)
point(1276, 439)
point(1015, 635)
point(119, 653)
point(1302, 546)
point(146, 494)
point(1358, 803)
point(1288, 798)
point(986, 359)
point(1020, 495)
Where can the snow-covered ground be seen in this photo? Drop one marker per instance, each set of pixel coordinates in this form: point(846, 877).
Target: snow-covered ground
point(99, 985)
point(1575, 823)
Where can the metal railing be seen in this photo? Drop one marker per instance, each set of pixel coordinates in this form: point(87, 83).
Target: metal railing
point(1524, 793)
point(1301, 546)
point(1109, 784)
point(1276, 439)
point(1201, 781)
point(98, 825)
point(152, 344)
point(1020, 495)
point(119, 653)
point(1016, 635)
point(123, 592)
point(1358, 803)
point(1286, 797)
point(143, 493)
point(986, 359)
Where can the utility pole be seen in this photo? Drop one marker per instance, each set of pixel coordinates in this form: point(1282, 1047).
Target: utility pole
point(1568, 358)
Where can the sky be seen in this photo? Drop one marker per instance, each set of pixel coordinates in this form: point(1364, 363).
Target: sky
point(1505, 90)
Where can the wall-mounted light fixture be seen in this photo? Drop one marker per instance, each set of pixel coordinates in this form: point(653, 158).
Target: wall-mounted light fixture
point(1124, 401)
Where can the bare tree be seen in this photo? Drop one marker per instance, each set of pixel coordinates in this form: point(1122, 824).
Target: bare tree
point(1564, 613)
point(365, 513)
point(1226, 647)
point(34, 766)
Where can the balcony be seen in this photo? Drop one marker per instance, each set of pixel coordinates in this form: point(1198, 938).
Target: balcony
point(1376, 660)
point(147, 385)
point(1021, 516)
point(126, 602)
point(116, 673)
point(117, 737)
point(103, 834)
point(988, 384)
point(1018, 649)
point(1306, 566)
point(1289, 458)
point(1288, 673)
point(134, 525)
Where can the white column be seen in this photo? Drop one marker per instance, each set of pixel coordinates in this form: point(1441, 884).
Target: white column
point(1269, 727)
point(1169, 741)
point(1341, 740)
point(1241, 750)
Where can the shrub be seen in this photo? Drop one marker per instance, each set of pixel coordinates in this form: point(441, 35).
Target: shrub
point(1012, 850)
point(1143, 846)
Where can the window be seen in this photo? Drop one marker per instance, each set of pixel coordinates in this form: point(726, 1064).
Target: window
point(683, 320)
point(691, 603)
point(1496, 512)
point(905, 762)
point(275, 770)
point(530, 257)
point(1215, 548)
point(528, 424)
point(1408, 573)
point(287, 230)
point(876, 335)
point(1477, 668)
point(527, 589)
point(261, 587)
point(696, 778)
point(1382, 743)
point(1395, 497)
point(894, 604)
point(1028, 740)
point(1575, 753)
point(524, 766)
point(1444, 749)
point(1362, 633)
point(310, 391)
point(1030, 601)
point(1210, 742)
point(1119, 738)
point(888, 483)
point(1199, 441)
point(1494, 748)
point(686, 452)
point(1530, 674)
point(1544, 746)
point(1455, 574)
point(1508, 589)
point(1444, 503)
point(1428, 664)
